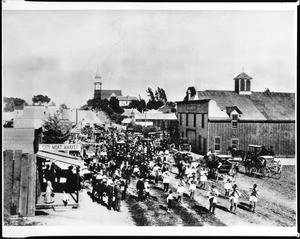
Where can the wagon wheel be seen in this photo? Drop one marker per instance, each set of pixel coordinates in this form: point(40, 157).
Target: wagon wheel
point(252, 171)
point(260, 173)
point(276, 175)
point(266, 172)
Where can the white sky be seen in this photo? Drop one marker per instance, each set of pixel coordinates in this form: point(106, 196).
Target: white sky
point(56, 52)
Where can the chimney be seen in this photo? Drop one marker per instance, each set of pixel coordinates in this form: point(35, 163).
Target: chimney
point(189, 94)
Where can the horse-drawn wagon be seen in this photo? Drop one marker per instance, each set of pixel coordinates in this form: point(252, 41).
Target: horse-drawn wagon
point(220, 165)
point(259, 162)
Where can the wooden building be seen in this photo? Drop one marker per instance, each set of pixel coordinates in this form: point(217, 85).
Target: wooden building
point(218, 119)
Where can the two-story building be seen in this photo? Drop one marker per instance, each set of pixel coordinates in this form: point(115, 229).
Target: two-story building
point(218, 119)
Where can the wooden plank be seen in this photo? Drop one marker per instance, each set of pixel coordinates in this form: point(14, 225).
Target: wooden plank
point(24, 185)
point(31, 185)
point(8, 181)
point(16, 180)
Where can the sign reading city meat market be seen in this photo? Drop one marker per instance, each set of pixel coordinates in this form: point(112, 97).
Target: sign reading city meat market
point(75, 147)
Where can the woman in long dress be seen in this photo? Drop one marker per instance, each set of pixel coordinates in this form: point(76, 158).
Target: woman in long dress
point(49, 190)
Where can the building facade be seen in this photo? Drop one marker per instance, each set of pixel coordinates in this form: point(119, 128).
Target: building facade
point(218, 119)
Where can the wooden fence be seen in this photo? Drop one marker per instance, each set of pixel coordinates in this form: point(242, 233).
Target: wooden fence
point(19, 183)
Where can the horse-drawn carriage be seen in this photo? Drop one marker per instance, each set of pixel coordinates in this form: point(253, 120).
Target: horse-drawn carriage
point(219, 165)
point(259, 162)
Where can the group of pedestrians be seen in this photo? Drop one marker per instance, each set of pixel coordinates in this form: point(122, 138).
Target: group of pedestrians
point(122, 158)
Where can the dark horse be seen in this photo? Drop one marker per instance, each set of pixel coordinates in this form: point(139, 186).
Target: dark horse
point(236, 153)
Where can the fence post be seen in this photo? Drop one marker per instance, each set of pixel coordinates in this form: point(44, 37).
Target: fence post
point(8, 182)
point(24, 185)
point(31, 185)
point(16, 180)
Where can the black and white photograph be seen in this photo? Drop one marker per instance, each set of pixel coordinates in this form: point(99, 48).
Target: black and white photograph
point(171, 119)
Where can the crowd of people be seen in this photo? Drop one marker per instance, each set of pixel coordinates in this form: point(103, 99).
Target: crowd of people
point(122, 158)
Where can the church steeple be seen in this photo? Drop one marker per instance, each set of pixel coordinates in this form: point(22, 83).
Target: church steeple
point(97, 84)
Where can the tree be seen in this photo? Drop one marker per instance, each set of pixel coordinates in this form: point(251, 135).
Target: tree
point(151, 95)
point(53, 131)
point(40, 99)
point(63, 106)
point(85, 107)
point(52, 104)
point(114, 105)
point(11, 102)
point(140, 105)
point(156, 100)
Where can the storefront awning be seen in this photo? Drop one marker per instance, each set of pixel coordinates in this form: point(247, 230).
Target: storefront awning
point(61, 157)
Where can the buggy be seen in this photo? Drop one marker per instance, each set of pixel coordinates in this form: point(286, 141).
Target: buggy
point(219, 165)
point(260, 162)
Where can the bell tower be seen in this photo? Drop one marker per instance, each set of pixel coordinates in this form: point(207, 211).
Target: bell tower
point(97, 85)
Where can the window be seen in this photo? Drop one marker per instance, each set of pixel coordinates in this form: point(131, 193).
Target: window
point(248, 85)
point(182, 134)
point(202, 121)
point(180, 119)
point(187, 119)
point(195, 118)
point(235, 143)
point(217, 143)
point(234, 121)
point(242, 85)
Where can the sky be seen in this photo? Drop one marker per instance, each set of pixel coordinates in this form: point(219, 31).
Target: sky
point(56, 52)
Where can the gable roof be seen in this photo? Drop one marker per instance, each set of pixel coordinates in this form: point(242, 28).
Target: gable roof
point(229, 109)
point(126, 98)
point(105, 94)
point(242, 75)
point(257, 106)
point(18, 139)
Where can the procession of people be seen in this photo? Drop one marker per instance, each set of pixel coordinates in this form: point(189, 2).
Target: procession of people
point(120, 159)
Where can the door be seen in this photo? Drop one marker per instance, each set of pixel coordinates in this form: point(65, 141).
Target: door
point(191, 135)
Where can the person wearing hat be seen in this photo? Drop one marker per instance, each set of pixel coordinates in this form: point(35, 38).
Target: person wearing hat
point(180, 189)
point(234, 195)
point(140, 187)
point(212, 198)
point(254, 193)
point(118, 196)
point(227, 185)
point(192, 183)
point(147, 189)
point(203, 177)
point(166, 180)
point(110, 193)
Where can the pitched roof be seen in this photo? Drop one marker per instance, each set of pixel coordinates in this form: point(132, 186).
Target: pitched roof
point(242, 75)
point(125, 98)
point(156, 116)
point(105, 94)
point(257, 106)
point(18, 139)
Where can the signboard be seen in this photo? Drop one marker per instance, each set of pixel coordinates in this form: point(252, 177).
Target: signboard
point(64, 147)
point(191, 108)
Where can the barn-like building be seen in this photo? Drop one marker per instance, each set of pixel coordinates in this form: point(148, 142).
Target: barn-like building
point(218, 119)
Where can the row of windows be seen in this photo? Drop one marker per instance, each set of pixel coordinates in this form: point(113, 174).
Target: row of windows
point(194, 120)
point(234, 121)
point(217, 144)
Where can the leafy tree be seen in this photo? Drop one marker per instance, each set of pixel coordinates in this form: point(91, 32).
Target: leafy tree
point(63, 106)
point(40, 99)
point(114, 105)
point(140, 105)
point(85, 107)
point(11, 102)
point(53, 131)
point(151, 95)
point(156, 100)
